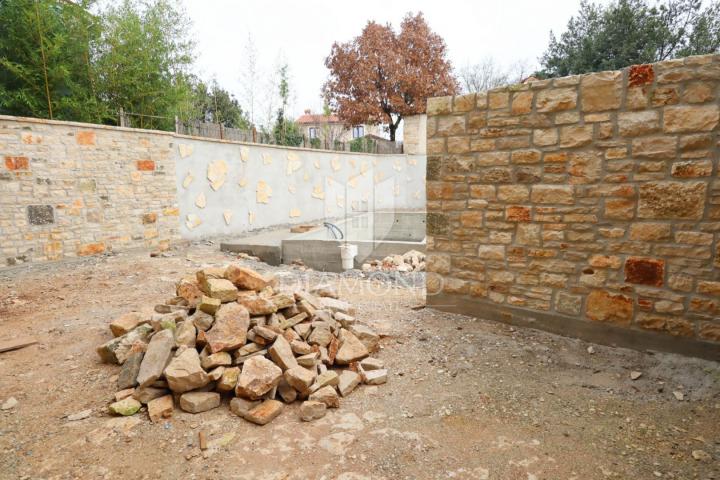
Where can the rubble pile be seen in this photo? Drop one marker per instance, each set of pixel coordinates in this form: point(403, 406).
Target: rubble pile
point(412, 261)
point(231, 332)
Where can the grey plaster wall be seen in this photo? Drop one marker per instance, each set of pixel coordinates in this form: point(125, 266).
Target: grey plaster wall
point(230, 188)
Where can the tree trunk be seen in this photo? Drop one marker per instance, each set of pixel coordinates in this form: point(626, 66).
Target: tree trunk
point(393, 127)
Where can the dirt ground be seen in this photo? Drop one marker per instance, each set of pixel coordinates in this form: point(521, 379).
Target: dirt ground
point(465, 399)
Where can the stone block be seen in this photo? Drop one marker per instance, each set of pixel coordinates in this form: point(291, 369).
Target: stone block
point(645, 271)
point(601, 91)
point(603, 306)
point(672, 200)
point(679, 119)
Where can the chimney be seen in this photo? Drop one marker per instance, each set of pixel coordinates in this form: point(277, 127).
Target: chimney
point(308, 111)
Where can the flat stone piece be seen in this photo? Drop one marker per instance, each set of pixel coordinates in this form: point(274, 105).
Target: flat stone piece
point(265, 412)
point(320, 335)
point(257, 305)
point(334, 305)
point(247, 278)
point(209, 305)
point(366, 335)
point(300, 378)
point(40, 214)
point(228, 380)
point(230, 328)
point(219, 359)
point(282, 300)
point(286, 392)
point(184, 373)
point(241, 406)
point(312, 410)
point(351, 349)
point(185, 334)
point(156, 357)
point(197, 402)
point(125, 323)
point(282, 354)
point(376, 377)
point(220, 289)
point(129, 371)
point(371, 363)
point(202, 320)
point(259, 375)
point(347, 382)
point(147, 394)
point(160, 408)
point(327, 395)
point(329, 377)
point(120, 348)
point(308, 360)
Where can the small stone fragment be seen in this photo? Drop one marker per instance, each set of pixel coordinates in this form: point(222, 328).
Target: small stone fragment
point(184, 372)
point(209, 305)
point(300, 378)
point(9, 404)
point(351, 349)
point(258, 376)
point(701, 455)
point(282, 354)
point(679, 396)
point(375, 377)
point(156, 357)
point(129, 371)
point(287, 393)
point(241, 406)
point(329, 377)
point(197, 402)
point(325, 290)
point(312, 410)
point(126, 407)
point(125, 323)
point(265, 412)
point(128, 392)
point(633, 375)
point(327, 395)
point(246, 278)
point(79, 415)
point(160, 408)
point(228, 380)
point(215, 360)
point(120, 348)
point(371, 363)
point(347, 382)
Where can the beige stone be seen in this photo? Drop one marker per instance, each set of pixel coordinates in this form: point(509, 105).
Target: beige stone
point(601, 91)
point(259, 375)
point(264, 413)
point(672, 200)
point(327, 395)
point(702, 118)
point(246, 278)
point(633, 124)
point(300, 378)
point(229, 331)
point(184, 372)
point(351, 349)
point(160, 408)
point(558, 194)
point(604, 306)
point(198, 402)
point(125, 323)
point(553, 100)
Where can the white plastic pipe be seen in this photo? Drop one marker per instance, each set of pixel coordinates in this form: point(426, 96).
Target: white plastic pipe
point(348, 252)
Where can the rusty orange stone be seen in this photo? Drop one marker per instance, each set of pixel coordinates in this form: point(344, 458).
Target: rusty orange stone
point(85, 137)
point(604, 306)
point(640, 75)
point(145, 165)
point(148, 218)
point(91, 249)
point(518, 214)
point(645, 271)
point(17, 163)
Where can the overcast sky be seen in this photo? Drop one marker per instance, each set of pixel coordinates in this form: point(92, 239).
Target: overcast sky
point(303, 32)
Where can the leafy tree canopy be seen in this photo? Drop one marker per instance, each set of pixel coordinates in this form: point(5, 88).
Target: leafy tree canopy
point(213, 103)
point(629, 32)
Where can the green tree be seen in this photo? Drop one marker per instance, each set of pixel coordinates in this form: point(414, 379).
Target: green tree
point(629, 32)
point(285, 131)
point(144, 60)
point(46, 60)
point(215, 104)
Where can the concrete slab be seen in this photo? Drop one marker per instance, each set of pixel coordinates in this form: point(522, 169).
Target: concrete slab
point(265, 245)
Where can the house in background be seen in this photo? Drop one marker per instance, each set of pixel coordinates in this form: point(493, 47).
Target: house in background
point(329, 129)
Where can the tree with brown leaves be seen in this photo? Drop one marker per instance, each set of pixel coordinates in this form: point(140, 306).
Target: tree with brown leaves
point(381, 76)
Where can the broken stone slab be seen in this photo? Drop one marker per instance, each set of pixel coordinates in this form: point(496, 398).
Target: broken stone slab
point(230, 328)
point(202, 276)
point(120, 348)
point(257, 305)
point(312, 410)
point(197, 402)
point(292, 321)
point(202, 321)
point(371, 363)
point(220, 289)
point(347, 381)
point(241, 359)
point(147, 394)
point(300, 348)
point(184, 372)
point(291, 335)
point(128, 392)
point(327, 395)
point(320, 335)
point(282, 300)
point(304, 306)
point(345, 320)
point(258, 376)
point(375, 377)
point(241, 406)
point(215, 360)
point(300, 378)
point(309, 298)
point(160, 408)
point(209, 305)
point(125, 323)
point(248, 349)
point(332, 350)
point(303, 329)
point(185, 334)
point(247, 278)
point(325, 290)
point(189, 289)
point(335, 305)
point(351, 349)
point(329, 377)
point(158, 353)
point(282, 354)
point(216, 374)
point(366, 335)
point(286, 392)
point(228, 380)
point(126, 407)
point(309, 360)
point(129, 371)
point(265, 412)
point(166, 321)
point(265, 333)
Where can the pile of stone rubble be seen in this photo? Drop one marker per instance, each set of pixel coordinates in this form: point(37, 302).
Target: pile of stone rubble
point(231, 332)
point(412, 261)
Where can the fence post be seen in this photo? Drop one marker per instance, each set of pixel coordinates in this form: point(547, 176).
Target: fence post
point(222, 131)
point(121, 113)
point(254, 134)
point(177, 124)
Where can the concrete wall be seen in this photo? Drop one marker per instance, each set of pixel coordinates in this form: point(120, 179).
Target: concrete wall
point(72, 189)
point(586, 205)
point(263, 186)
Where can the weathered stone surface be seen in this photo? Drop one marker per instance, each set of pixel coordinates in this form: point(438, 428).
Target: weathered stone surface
point(215, 360)
point(129, 371)
point(197, 402)
point(366, 335)
point(259, 375)
point(554, 100)
point(185, 334)
point(230, 328)
point(300, 378)
point(148, 394)
point(347, 381)
point(650, 232)
point(375, 377)
point(126, 407)
point(312, 410)
point(672, 200)
point(246, 278)
point(329, 377)
point(184, 373)
point(156, 357)
point(264, 413)
point(203, 321)
point(120, 348)
point(326, 395)
point(604, 306)
point(189, 289)
point(160, 408)
point(228, 380)
point(209, 305)
point(320, 335)
point(370, 363)
point(125, 323)
point(241, 406)
point(601, 91)
point(559, 194)
point(257, 305)
point(282, 354)
point(221, 289)
point(351, 349)
point(633, 124)
point(645, 271)
point(691, 118)
point(286, 392)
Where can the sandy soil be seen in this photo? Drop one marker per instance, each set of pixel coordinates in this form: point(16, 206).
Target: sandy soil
point(466, 398)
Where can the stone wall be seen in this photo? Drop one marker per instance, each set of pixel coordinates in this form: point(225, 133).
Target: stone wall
point(73, 189)
point(586, 205)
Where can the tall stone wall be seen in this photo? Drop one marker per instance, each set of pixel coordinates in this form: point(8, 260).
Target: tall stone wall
point(73, 189)
point(585, 205)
